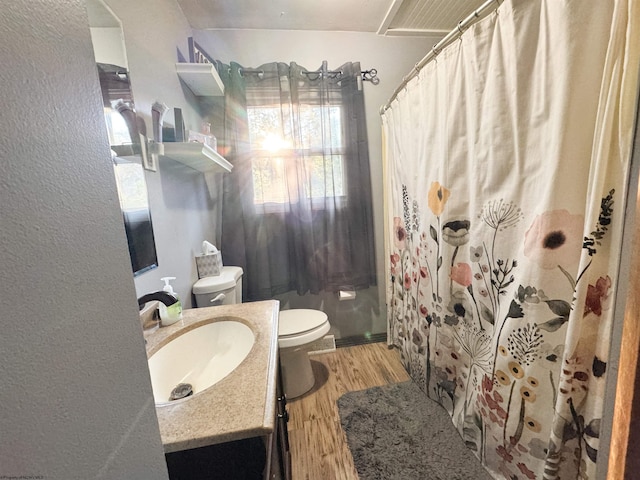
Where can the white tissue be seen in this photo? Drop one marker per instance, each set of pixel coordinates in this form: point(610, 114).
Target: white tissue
point(209, 264)
point(208, 248)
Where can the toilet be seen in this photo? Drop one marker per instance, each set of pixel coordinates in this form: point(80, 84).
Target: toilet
point(223, 289)
point(297, 328)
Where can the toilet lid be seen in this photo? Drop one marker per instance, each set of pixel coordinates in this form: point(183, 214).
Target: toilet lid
point(297, 321)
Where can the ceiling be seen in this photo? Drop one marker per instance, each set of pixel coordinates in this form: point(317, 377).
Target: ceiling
point(100, 15)
point(385, 17)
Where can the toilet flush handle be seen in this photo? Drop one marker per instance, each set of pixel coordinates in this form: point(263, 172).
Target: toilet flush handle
point(218, 298)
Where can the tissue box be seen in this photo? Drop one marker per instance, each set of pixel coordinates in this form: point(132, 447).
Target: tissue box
point(209, 265)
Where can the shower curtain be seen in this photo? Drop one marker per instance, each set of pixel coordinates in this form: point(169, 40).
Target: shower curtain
point(506, 160)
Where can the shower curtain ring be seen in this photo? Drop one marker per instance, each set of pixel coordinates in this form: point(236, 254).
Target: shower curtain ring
point(460, 27)
point(435, 50)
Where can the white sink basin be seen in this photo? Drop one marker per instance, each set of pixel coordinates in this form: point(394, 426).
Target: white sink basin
point(200, 357)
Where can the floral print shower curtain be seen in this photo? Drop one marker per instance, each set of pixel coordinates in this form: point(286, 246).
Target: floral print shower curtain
point(506, 161)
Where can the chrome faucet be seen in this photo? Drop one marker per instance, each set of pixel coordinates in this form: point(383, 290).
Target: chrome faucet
point(161, 296)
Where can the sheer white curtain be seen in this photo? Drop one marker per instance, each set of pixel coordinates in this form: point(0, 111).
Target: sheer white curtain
point(507, 160)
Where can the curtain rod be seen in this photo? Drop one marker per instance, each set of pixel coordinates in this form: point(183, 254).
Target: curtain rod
point(437, 48)
point(370, 75)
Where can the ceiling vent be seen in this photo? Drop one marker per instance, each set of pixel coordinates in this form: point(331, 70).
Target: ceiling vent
point(424, 17)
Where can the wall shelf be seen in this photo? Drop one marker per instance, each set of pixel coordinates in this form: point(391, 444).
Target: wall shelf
point(197, 156)
point(201, 78)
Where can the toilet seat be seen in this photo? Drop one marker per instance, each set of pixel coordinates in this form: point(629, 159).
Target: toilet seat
point(299, 327)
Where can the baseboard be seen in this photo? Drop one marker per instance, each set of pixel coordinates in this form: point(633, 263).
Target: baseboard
point(329, 343)
point(326, 344)
point(361, 339)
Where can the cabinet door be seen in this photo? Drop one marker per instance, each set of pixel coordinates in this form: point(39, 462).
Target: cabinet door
point(240, 459)
point(282, 435)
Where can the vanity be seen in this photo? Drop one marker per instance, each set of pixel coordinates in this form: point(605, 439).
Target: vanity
point(237, 427)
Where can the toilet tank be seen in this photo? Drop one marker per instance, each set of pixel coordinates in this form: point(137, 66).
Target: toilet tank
point(223, 289)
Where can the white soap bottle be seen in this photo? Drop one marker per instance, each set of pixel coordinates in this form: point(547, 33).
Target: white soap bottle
point(171, 314)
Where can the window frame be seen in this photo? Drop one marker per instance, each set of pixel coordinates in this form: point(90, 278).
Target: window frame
point(292, 154)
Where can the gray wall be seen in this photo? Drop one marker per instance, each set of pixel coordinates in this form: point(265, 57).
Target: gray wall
point(393, 58)
point(180, 203)
point(75, 392)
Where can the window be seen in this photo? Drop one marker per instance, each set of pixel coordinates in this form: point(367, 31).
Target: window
point(294, 158)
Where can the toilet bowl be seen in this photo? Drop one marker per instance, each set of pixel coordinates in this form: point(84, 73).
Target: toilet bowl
point(297, 330)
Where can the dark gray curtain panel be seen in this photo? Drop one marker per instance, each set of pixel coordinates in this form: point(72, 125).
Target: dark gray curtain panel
point(297, 211)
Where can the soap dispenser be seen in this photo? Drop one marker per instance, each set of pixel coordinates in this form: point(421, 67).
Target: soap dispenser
point(171, 314)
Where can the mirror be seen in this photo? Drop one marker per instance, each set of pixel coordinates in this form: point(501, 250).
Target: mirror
point(124, 130)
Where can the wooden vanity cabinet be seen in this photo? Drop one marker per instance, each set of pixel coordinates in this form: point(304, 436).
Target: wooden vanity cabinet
point(256, 458)
point(280, 458)
point(241, 459)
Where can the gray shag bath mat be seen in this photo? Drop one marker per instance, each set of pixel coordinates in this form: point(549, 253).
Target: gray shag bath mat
point(397, 432)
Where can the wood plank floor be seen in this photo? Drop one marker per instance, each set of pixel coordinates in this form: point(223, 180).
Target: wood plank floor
point(318, 445)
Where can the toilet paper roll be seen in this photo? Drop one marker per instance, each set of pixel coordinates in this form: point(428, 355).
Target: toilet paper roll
point(346, 295)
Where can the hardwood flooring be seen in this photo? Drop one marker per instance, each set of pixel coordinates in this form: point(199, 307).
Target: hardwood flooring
point(318, 445)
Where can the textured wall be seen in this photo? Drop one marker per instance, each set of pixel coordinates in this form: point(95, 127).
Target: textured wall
point(76, 397)
point(181, 206)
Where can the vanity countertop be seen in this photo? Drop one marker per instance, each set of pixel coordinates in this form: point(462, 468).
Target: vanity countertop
point(241, 405)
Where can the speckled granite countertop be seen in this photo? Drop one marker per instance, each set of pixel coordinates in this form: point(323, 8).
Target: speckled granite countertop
point(241, 405)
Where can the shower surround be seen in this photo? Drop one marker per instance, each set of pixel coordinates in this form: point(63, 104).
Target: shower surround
point(507, 162)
